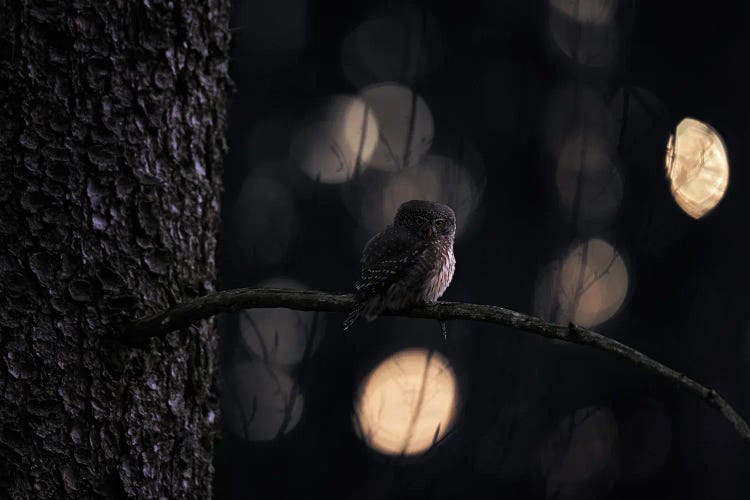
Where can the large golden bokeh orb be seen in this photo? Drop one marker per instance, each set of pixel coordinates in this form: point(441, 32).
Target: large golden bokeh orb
point(697, 167)
point(407, 403)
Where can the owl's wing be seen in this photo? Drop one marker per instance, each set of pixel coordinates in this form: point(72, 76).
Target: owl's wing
point(385, 259)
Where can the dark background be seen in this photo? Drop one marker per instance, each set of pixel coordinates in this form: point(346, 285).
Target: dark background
point(494, 71)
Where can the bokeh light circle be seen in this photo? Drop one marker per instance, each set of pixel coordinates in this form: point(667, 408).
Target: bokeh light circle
point(458, 183)
point(437, 178)
point(587, 286)
point(278, 335)
point(265, 404)
point(339, 144)
point(586, 11)
point(579, 449)
point(407, 403)
point(589, 44)
point(697, 167)
point(405, 123)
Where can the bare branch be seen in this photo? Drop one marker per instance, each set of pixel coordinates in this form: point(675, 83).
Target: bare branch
point(183, 315)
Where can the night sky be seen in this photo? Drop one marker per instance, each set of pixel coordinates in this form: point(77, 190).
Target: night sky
point(548, 132)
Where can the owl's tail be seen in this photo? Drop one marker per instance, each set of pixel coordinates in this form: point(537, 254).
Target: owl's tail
point(368, 308)
point(354, 315)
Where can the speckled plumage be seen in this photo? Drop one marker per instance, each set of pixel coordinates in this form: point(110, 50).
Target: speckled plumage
point(409, 263)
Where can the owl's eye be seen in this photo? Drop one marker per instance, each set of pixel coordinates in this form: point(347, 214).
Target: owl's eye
point(439, 223)
point(420, 220)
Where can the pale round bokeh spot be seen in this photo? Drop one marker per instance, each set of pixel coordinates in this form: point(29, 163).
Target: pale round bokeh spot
point(278, 335)
point(375, 200)
point(587, 286)
point(437, 178)
point(586, 11)
point(579, 448)
point(407, 403)
point(262, 402)
point(338, 145)
point(262, 223)
point(401, 43)
point(588, 181)
point(697, 167)
point(594, 45)
point(415, 184)
point(359, 126)
point(405, 123)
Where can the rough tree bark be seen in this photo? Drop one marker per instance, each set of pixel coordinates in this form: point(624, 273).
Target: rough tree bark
point(111, 144)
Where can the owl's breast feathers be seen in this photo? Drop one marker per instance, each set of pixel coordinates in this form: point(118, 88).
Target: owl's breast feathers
point(441, 273)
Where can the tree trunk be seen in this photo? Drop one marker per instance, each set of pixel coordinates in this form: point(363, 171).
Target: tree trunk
point(111, 144)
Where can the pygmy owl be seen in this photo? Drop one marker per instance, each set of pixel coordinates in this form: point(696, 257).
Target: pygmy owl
point(411, 262)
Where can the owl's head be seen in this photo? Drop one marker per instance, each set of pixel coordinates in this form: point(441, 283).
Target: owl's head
point(427, 219)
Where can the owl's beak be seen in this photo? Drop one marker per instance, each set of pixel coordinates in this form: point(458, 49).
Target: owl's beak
point(431, 231)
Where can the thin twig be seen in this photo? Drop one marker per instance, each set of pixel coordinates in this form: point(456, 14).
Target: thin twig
point(183, 315)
